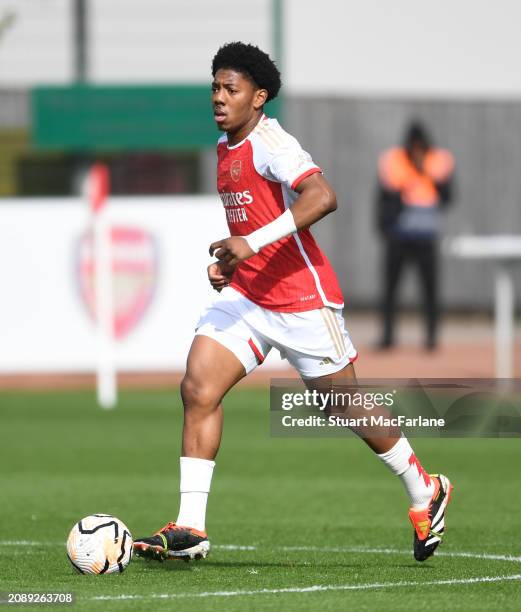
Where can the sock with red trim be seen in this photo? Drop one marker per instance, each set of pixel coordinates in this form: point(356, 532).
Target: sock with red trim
point(402, 461)
point(196, 478)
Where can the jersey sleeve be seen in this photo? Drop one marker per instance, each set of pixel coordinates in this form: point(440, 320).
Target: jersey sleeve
point(290, 164)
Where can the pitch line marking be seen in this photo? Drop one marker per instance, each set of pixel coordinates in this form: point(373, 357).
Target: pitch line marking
point(365, 550)
point(316, 588)
point(331, 549)
point(313, 588)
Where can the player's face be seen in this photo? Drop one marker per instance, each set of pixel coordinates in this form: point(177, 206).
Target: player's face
point(237, 103)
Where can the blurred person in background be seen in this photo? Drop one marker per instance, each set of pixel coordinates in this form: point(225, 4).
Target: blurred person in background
point(415, 185)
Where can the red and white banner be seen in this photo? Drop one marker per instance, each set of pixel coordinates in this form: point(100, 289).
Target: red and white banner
point(160, 255)
point(159, 259)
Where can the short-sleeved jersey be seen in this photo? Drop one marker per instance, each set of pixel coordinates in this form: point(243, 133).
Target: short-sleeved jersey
point(256, 180)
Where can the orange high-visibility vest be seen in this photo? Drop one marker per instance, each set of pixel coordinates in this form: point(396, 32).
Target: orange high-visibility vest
point(397, 173)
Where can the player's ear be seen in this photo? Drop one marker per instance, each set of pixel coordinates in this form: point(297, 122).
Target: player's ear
point(261, 95)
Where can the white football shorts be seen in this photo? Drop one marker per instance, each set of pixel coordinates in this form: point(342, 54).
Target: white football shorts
point(315, 342)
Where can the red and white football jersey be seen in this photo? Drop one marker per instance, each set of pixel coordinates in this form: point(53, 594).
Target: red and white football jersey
point(256, 180)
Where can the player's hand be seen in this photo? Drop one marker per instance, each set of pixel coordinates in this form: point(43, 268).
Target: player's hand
point(220, 275)
point(232, 250)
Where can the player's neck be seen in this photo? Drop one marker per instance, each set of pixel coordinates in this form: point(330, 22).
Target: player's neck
point(242, 133)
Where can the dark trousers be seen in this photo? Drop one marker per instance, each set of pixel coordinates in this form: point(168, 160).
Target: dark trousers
point(423, 254)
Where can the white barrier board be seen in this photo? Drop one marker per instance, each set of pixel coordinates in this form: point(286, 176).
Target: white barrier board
point(45, 266)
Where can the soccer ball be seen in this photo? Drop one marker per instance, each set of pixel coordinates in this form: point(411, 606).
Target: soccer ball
point(99, 544)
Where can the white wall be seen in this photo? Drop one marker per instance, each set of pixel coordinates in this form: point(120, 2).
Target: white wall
point(440, 48)
point(45, 326)
point(131, 41)
point(455, 48)
point(158, 41)
point(37, 46)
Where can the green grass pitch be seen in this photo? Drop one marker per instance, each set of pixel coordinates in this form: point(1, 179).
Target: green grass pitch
point(295, 524)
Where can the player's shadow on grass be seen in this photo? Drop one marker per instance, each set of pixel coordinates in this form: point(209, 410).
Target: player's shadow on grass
point(281, 564)
point(417, 566)
point(318, 564)
point(183, 566)
point(175, 565)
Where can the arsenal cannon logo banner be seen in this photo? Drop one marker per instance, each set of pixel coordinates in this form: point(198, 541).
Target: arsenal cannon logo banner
point(134, 273)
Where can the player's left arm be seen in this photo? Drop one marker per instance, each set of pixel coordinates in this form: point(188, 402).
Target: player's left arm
point(316, 200)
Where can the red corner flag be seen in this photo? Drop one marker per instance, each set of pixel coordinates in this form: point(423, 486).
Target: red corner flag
point(98, 190)
point(99, 186)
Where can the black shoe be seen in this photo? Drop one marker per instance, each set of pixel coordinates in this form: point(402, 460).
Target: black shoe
point(429, 524)
point(173, 542)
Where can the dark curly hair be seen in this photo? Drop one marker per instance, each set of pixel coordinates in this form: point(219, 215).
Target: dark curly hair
point(251, 61)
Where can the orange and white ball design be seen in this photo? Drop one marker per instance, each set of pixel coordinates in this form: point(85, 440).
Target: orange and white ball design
point(99, 544)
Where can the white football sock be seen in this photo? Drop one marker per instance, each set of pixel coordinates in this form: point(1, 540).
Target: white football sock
point(196, 477)
point(402, 461)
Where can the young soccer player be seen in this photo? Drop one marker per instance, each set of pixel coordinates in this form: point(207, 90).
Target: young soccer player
point(276, 289)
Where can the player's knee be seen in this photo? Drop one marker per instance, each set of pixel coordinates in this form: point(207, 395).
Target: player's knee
point(198, 395)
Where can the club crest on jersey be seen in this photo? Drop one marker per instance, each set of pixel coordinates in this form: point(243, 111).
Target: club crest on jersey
point(235, 170)
point(135, 275)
